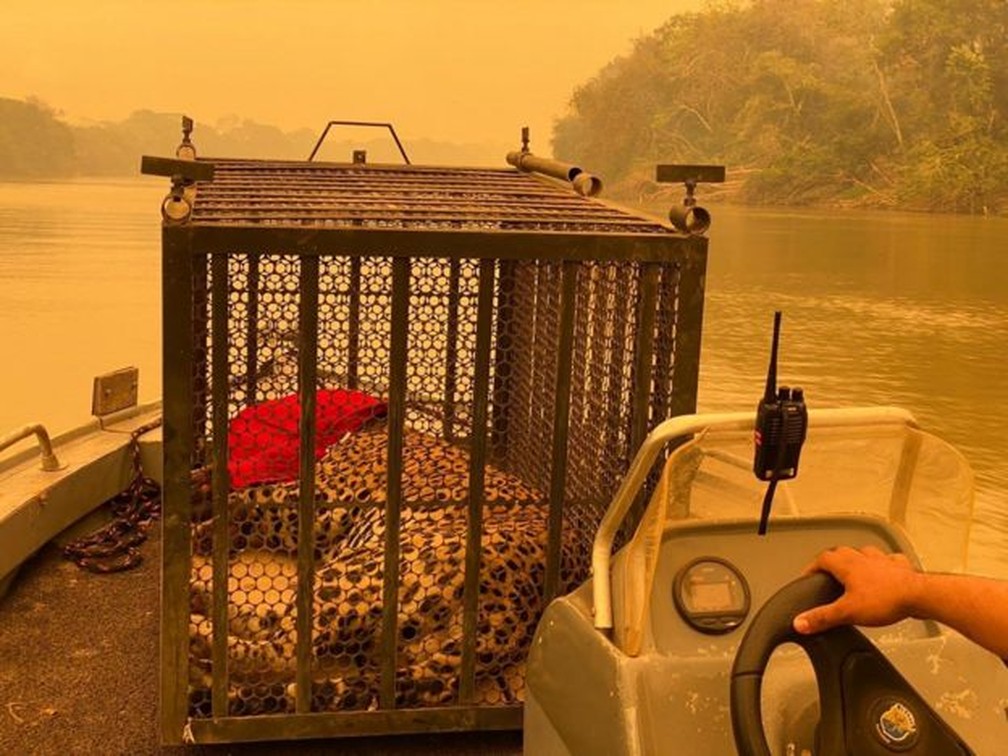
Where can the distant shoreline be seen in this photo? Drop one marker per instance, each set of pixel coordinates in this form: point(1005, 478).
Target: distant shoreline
point(36, 144)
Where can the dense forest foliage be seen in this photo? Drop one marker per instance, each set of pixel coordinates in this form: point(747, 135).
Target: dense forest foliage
point(885, 103)
point(37, 143)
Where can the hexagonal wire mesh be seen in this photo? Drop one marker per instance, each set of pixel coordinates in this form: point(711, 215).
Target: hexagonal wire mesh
point(514, 374)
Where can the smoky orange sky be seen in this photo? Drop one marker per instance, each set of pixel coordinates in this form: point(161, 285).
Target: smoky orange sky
point(443, 69)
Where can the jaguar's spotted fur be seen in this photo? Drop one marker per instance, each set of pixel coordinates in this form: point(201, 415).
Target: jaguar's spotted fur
point(349, 566)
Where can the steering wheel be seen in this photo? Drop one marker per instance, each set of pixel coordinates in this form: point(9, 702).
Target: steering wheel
point(867, 707)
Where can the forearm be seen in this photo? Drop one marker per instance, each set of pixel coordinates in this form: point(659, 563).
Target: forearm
point(974, 606)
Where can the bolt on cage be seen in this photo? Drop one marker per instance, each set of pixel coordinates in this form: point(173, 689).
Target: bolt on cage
point(397, 401)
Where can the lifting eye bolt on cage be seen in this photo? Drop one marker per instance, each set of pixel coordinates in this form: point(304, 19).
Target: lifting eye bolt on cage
point(397, 402)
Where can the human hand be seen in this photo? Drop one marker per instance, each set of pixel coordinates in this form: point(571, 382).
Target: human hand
point(879, 589)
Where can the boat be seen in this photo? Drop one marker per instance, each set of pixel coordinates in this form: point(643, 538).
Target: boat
point(688, 646)
point(683, 642)
point(445, 300)
point(585, 684)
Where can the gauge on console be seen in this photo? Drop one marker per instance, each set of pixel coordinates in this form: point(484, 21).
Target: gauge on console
point(711, 595)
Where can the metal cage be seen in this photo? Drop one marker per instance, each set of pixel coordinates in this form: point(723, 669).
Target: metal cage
point(397, 401)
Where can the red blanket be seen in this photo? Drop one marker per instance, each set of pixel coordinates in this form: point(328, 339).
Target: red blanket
point(264, 440)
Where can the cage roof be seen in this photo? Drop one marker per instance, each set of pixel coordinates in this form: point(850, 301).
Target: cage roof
point(297, 194)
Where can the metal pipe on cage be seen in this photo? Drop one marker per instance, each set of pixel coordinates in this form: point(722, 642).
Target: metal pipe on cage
point(179, 320)
point(398, 367)
point(585, 184)
point(561, 421)
point(451, 350)
point(219, 482)
point(477, 488)
point(353, 323)
point(252, 331)
point(307, 372)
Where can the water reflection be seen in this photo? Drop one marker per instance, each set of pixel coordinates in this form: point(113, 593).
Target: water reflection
point(79, 294)
point(910, 310)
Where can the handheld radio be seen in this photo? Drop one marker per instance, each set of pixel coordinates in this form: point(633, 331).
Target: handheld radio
point(781, 426)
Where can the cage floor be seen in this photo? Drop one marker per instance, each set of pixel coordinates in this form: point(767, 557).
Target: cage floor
point(79, 671)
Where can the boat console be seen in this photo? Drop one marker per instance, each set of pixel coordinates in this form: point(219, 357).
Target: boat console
point(682, 644)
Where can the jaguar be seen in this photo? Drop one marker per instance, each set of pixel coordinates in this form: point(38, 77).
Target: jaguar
point(349, 560)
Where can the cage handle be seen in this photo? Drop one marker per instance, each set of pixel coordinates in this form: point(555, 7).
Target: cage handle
point(374, 124)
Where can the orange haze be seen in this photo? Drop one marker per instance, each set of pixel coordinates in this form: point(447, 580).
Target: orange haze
point(456, 70)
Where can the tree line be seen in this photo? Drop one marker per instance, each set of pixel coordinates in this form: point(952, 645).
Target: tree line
point(37, 143)
point(884, 103)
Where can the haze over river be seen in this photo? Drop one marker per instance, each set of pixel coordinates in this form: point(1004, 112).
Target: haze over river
point(879, 308)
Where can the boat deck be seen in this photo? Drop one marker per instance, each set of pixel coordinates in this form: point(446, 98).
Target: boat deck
point(79, 670)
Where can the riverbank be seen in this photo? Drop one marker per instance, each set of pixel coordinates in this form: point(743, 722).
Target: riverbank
point(741, 190)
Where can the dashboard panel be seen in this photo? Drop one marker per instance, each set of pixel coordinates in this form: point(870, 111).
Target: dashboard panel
point(711, 577)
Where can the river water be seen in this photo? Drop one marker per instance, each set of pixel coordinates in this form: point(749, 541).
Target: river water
point(879, 308)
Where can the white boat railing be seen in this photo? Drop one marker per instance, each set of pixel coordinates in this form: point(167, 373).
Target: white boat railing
point(50, 462)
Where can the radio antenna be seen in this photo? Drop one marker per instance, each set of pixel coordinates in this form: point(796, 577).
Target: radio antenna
point(781, 424)
point(770, 393)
